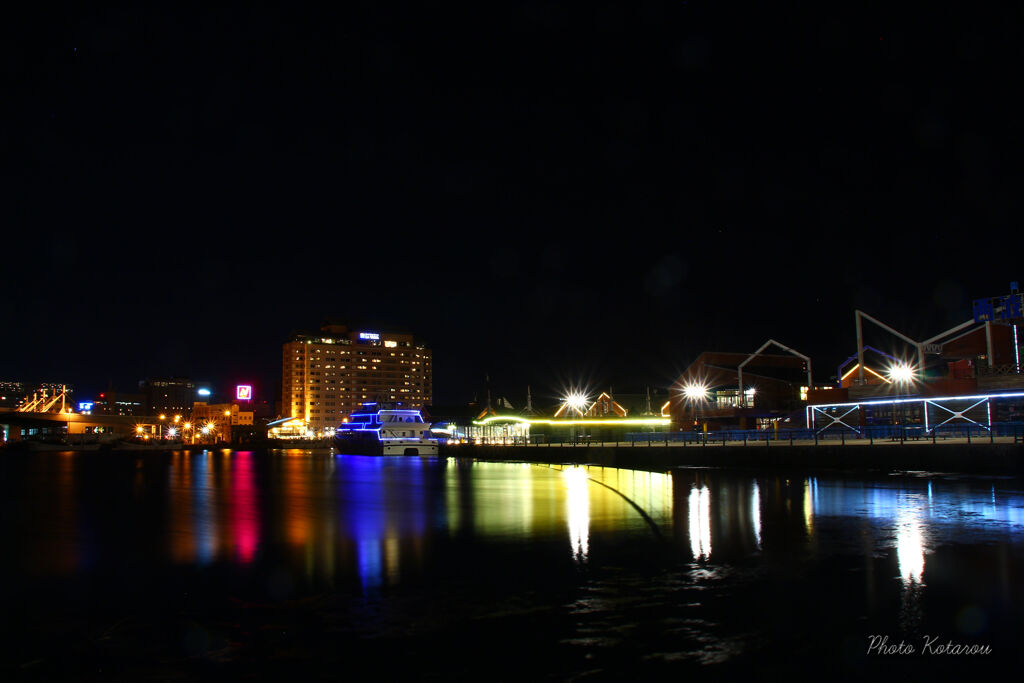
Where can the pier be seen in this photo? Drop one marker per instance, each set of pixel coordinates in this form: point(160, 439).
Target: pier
point(998, 456)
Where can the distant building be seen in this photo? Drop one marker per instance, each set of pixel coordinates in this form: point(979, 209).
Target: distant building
point(12, 393)
point(707, 392)
point(221, 416)
point(167, 395)
point(326, 376)
point(112, 402)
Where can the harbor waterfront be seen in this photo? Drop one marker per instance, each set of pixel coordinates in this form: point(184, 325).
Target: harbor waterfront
point(273, 563)
point(1003, 457)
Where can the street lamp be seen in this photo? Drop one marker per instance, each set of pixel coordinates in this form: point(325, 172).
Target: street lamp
point(576, 402)
point(695, 392)
point(901, 374)
point(210, 429)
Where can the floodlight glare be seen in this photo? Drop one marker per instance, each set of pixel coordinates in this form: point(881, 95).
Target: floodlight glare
point(695, 391)
point(576, 401)
point(901, 372)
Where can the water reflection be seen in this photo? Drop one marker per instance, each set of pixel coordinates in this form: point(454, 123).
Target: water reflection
point(699, 565)
point(204, 524)
point(755, 511)
point(910, 545)
point(578, 512)
point(245, 522)
point(700, 523)
point(379, 521)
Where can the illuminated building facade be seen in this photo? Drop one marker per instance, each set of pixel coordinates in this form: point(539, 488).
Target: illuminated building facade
point(220, 418)
point(326, 376)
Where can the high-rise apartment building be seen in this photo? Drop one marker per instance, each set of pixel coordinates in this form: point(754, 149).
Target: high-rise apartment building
point(326, 376)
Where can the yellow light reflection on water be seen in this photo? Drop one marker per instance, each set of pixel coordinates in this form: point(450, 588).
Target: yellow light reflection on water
point(809, 507)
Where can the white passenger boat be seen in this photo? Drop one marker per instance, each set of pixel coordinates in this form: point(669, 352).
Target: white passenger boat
point(376, 430)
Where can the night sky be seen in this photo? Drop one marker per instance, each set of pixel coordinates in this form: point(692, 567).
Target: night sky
point(546, 194)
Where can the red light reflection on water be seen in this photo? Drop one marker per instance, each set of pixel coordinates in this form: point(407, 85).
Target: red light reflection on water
point(244, 514)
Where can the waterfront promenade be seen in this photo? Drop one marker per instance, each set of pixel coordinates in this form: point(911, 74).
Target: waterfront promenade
point(995, 456)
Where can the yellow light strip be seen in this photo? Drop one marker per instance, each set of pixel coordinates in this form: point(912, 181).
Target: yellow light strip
point(884, 379)
point(857, 365)
point(620, 421)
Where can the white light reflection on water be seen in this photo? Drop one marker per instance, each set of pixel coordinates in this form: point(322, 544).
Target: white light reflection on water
point(910, 554)
point(578, 506)
point(755, 512)
point(910, 545)
point(700, 522)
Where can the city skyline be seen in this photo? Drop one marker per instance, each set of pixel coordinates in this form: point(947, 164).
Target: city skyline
point(588, 198)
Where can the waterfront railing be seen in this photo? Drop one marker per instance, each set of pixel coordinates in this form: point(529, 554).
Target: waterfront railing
point(832, 435)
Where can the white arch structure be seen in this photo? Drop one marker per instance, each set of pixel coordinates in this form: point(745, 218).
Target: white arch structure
point(742, 397)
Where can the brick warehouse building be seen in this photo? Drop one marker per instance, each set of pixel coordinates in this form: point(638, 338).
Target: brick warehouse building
point(776, 387)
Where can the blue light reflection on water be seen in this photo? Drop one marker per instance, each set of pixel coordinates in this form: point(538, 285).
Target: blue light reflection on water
point(204, 521)
point(363, 507)
point(954, 503)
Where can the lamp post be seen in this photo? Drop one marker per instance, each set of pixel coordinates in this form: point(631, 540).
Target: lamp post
point(576, 402)
point(693, 392)
point(902, 375)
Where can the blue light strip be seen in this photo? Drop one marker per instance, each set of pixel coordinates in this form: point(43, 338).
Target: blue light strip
point(1016, 394)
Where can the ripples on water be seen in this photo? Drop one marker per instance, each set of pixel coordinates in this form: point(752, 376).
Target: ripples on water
point(263, 564)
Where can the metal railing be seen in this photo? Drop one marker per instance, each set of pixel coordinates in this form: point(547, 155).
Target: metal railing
point(1005, 369)
point(869, 434)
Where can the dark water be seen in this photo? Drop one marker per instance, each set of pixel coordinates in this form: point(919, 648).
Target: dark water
point(267, 566)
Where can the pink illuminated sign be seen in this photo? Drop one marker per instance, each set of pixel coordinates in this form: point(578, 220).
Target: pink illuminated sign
point(243, 392)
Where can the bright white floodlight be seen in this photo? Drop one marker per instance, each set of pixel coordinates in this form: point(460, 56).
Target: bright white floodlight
point(901, 373)
point(695, 391)
point(576, 402)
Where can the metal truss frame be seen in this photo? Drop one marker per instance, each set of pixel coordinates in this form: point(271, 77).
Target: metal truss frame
point(936, 401)
point(954, 414)
point(811, 422)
